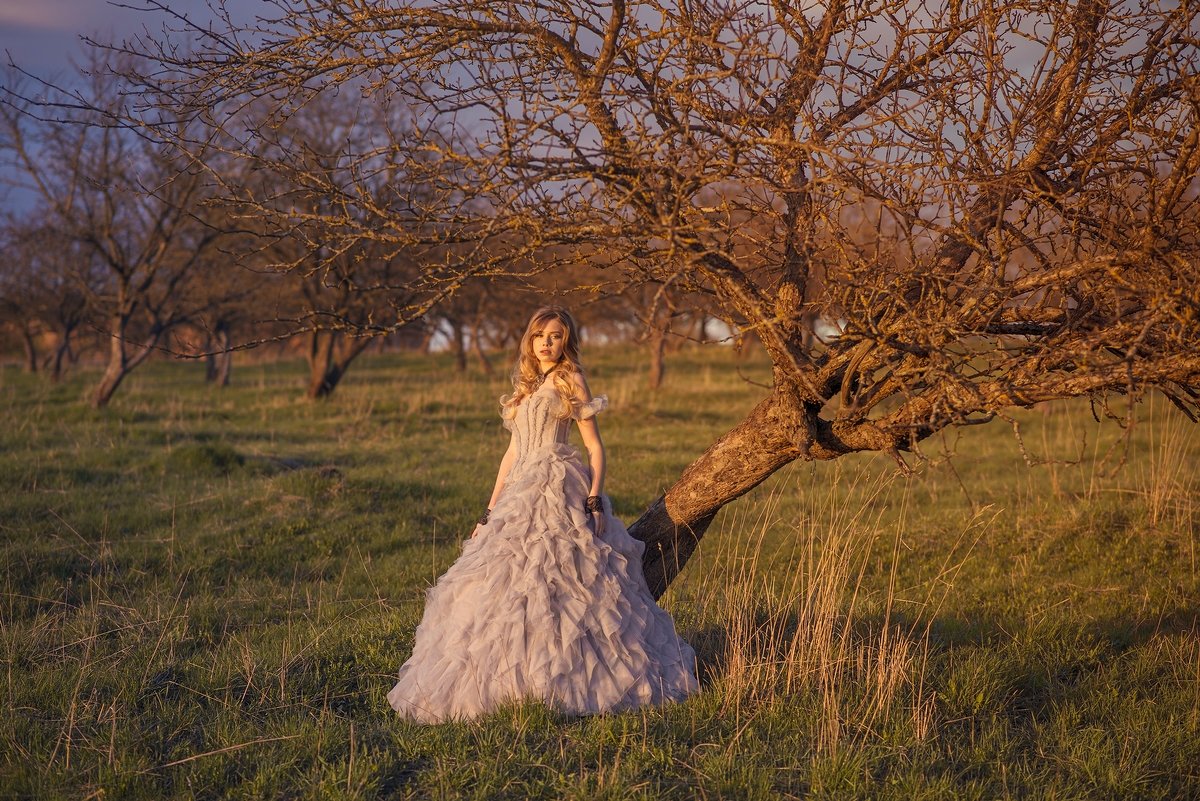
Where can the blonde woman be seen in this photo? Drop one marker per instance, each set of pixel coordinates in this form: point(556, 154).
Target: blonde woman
point(548, 599)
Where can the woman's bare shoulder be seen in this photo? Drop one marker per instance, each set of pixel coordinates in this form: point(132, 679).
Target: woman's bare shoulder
point(581, 386)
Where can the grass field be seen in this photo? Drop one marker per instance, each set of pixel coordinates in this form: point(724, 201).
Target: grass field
point(206, 595)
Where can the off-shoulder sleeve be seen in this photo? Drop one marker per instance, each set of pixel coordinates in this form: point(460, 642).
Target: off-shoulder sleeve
point(587, 411)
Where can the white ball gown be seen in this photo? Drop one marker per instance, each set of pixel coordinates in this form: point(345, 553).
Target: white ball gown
point(537, 606)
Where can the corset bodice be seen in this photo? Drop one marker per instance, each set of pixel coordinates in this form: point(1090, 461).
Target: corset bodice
point(537, 422)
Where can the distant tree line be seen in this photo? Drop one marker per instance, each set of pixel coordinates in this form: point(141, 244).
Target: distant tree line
point(132, 249)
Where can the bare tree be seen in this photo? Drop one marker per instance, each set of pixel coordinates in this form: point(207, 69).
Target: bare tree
point(235, 299)
point(331, 290)
point(132, 205)
point(313, 207)
point(46, 287)
point(18, 320)
point(1000, 200)
point(663, 313)
point(17, 323)
point(484, 314)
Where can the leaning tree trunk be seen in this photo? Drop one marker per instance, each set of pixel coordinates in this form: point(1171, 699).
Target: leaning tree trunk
point(777, 431)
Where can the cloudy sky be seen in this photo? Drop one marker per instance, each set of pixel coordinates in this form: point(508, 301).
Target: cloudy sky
point(42, 36)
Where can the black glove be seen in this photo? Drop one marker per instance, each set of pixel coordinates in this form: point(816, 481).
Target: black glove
point(595, 507)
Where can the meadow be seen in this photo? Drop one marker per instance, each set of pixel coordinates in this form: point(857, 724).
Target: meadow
point(206, 594)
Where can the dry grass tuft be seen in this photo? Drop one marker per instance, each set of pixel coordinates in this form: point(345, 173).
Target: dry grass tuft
point(801, 628)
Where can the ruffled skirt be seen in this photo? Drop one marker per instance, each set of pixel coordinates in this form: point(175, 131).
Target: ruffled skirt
point(538, 607)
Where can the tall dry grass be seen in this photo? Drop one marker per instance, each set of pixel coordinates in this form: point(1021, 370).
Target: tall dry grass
point(796, 625)
point(1168, 479)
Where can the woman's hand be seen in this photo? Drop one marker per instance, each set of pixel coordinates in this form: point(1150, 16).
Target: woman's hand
point(483, 519)
point(595, 509)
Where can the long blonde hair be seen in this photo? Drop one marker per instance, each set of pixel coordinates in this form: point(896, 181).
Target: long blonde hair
point(526, 375)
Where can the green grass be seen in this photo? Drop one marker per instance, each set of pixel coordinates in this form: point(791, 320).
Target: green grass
point(206, 595)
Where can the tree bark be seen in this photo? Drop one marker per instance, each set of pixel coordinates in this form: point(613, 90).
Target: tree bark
point(31, 353)
point(656, 339)
point(330, 355)
point(117, 368)
point(477, 348)
point(772, 435)
point(219, 361)
point(61, 351)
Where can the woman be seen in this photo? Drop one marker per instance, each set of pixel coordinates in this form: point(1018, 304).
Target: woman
point(547, 599)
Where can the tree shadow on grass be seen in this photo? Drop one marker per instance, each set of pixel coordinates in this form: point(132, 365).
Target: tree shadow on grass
point(401, 774)
point(1123, 633)
point(711, 645)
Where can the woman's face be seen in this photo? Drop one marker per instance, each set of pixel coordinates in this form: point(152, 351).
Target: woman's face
point(547, 342)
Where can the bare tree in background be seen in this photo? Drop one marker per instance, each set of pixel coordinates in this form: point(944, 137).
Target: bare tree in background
point(999, 199)
point(128, 203)
point(18, 320)
point(47, 286)
point(465, 319)
point(235, 297)
point(666, 317)
point(314, 204)
point(330, 289)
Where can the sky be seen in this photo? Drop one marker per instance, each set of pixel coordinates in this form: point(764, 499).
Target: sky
point(43, 36)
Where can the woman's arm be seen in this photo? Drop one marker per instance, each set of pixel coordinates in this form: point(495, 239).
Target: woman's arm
point(506, 464)
point(591, 438)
